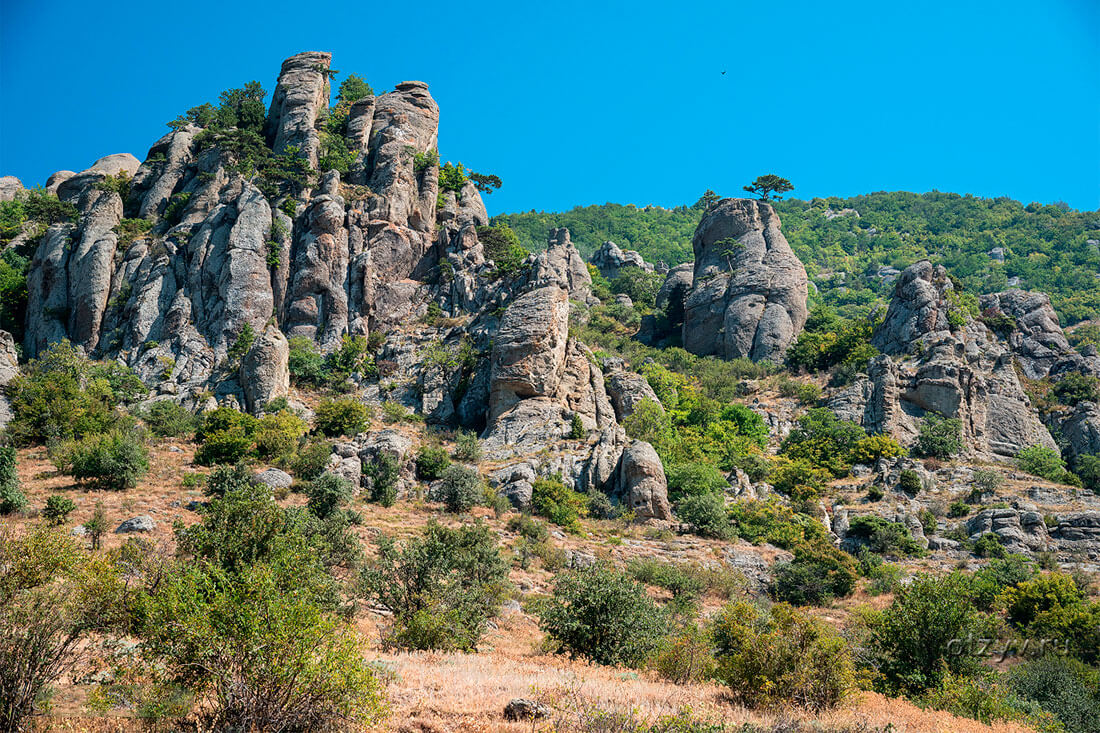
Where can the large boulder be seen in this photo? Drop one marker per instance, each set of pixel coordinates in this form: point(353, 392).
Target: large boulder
point(265, 373)
point(9, 368)
point(939, 360)
point(611, 261)
point(642, 483)
point(9, 187)
point(300, 96)
point(748, 296)
point(627, 389)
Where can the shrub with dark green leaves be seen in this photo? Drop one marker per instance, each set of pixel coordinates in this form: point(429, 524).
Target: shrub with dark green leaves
point(58, 508)
point(563, 506)
point(824, 440)
point(909, 482)
point(442, 588)
point(990, 545)
point(693, 478)
point(311, 461)
point(461, 488)
point(327, 493)
point(1039, 460)
point(1075, 387)
point(225, 436)
point(998, 576)
point(706, 515)
point(814, 576)
point(601, 614)
point(226, 479)
point(913, 642)
point(431, 462)
point(168, 419)
point(114, 461)
point(780, 657)
point(383, 473)
point(958, 509)
point(1064, 687)
point(341, 417)
point(883, 536)
point(467, 447)
point(11, 494)
point(503, 248)
point(939, 437)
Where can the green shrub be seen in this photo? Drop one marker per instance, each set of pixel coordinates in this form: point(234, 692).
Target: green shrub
point(461, 488)
point(277, 434)
point(958, 509)
point(693, 478)
point(985, 698)
point(467, 447)
point(327, 493)
point(814, 577)
point(225, 435)
point(57, 509)
point(311, 461)
point(384, 473)
point(1025, 602)
point(912, 642)
point(939, 437)
point(563, 506)
point(868, 450)
point(11, 494)
point(599, 613)
point(883, 536)
point(442, 588)
point(96, 527)
point(503, 248)
point(227, 479)
point(685, 657)
point(996, 577)
point(807, 393)
point(242, 344)
point(706, 515)
point(305, 362)
point(1075, 387)
point(576, 427)
point(909, 482)
point(683, 581)
point(431, 462)
point(341, 417)
point(1064, 687)
point(1039, 460)
point(824, 441)
point(875, 493)
point(167, 419)
point(780, 657)
point(987, 480)
point(990, 545)
point(113, 461)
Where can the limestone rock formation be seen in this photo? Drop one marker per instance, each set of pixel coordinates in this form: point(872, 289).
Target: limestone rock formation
point(748, 295)
point(642, 481)
point(265, 374)
point(938, 359)
point(300, 95)
point(610, 260)
point(9, 187)
point(9, 368)
point(1037, 340)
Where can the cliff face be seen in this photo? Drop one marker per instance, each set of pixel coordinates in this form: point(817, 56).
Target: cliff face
point(226, 251)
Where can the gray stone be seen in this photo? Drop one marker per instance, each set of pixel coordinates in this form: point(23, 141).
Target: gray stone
point(748, 296)
point(642, 482)
point(265, 373)
point(523, 709)
point(10, 186)
point(274, 478)
point(144, 523)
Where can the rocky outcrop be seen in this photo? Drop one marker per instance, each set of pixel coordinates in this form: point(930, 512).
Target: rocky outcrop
point(938, 359)
point(561, 264)
point(748, 295)
point(642, 482)
point(627, 389)
point(1082, 430)
point(265, 374)
point(10, 186)
point(1021, 532)
point(300, 96)
point(611, 261)
point(9, 368)
point(1032, 332)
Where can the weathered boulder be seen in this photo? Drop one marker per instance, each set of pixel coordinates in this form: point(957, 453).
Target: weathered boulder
point(626, 389)
point(748, 296)
point(9, 187)
point(562, 265)
point(1035, 336)
point(642, 482)
point(610, 260)
point(1082, 430)
point(522, 709)
point(300, 96)
point(265, 374)
point(9, 368)
point(144, 523)
point(938, 359)
point(273, 478)
point(1018, 531)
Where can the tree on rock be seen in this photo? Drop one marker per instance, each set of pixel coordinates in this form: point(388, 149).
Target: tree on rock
point(767, 188)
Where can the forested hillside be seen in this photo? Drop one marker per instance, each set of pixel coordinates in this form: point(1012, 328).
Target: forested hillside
point(1047, 247)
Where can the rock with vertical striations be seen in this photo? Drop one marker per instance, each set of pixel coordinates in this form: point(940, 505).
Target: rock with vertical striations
point(9, 187)
point(748, 295)
point(265, 374)
point(1034, 335)
point(642, 482)
point(300, 96)
point(9, 369)
point(610, 260)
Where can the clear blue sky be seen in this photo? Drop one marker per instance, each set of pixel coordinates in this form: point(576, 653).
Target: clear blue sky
point(589, 102)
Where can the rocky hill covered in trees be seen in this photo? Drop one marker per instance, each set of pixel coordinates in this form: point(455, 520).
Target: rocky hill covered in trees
point(381, 423)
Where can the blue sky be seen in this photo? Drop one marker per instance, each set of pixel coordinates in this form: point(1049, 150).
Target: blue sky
point(585, 103)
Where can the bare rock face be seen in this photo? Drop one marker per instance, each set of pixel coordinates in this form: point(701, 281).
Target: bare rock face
point(611, 261)
point(265, 375)
point(9, 368)
point(300, 94)
point(1037, 339)
point(932, 366)
point(748, 296)
point(1082, 430)
point(561, 264)
point(627, 389)
point(642, 481)
point(9, 187)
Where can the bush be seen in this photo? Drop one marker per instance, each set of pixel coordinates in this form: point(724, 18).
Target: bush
point(685, 657)
point(987, 480)
point(114, 461)
point(384, 473)
point(780, 657)
point(996, 577)
point(502, 246)
point(225, 480)
point(602, 615)
point(261, 655)
point(431, 462)
point(868, 450)
point(277, 435)
point(442, 588)
point(990, 545)
point(911, 642)
point(824, 440)
point(1025, 602)
point(958, 509)
point(58, 508)
point(683, 581)
point(984, 698)
point(461, 488)
point(706, 515)
point(327, 493)
point(306, 364)
point(1075, 387)
point(11, 495)
point(1039, 460)
point(1063, 687)
point(939, 437)
point(226, 436)
point(341, 417)
point(692, 479)
point(563, 506)
point(814, 577)
point(167, 419)
point(311, 461)
point(467, 447)
point(883, 536)
point(909, 482)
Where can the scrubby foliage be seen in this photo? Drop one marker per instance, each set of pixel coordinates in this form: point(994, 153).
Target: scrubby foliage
point(563, 506)
point(940, 437)
point(461, 488)
point(12, 498)
point(114, 461)
point(601, 614)
point(442, 587)
point(341, 417)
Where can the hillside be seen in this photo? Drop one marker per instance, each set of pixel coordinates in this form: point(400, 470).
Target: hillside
point(848, 244)
point(296, 438)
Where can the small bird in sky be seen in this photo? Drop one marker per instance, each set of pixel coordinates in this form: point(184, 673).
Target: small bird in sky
point(723, 73)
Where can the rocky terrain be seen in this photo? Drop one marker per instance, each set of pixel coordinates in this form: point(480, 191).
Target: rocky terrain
point(204, 296)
